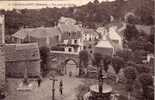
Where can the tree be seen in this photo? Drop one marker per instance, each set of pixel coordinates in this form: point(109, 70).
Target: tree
point(132, 19)
point(97, 59)
point(117, 63)
point(151, 38)
point(130, 75)
point(147, 85)
point(131, 32)
point(96, 2)
point(139, 55)
point(149, 47)
point(141, 68)
point(84, 58)
point(106, 60)
point(126, 54)
point(44, 52)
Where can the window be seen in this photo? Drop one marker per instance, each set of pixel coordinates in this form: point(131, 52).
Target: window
point(75, 41)
point(89, 46)
point(69, 34)
point(70, 49)
point(89, 39)
point(57, 37)
point(115, 41)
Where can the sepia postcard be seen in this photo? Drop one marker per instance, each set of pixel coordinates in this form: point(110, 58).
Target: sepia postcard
point(77, 49)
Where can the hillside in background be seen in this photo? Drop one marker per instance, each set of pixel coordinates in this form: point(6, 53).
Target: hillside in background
point(91, 15)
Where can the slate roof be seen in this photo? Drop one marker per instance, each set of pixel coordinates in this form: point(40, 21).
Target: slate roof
point(22, 33)
point(89, 31)
point(20, 52)
point(113, 34)
point(40, 32)
point(67, 20)
point(64, 28)
point(104, 44)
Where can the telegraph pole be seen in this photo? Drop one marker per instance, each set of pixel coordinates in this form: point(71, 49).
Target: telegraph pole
point(53, 89)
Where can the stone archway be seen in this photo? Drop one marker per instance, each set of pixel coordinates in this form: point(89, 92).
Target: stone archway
point(71, 65)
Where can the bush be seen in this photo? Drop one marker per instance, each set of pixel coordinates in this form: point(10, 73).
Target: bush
point(44, 53)
point(145, 79)
point(130, 73)
point(147, 85)
point(142, 68)
point(117, 63)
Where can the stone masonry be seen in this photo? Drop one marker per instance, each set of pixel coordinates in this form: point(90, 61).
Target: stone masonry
point(2, 68)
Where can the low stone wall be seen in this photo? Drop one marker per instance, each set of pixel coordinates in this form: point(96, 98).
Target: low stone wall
point(2, 69)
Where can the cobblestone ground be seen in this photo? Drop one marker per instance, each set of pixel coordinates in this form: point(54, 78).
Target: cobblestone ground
point(44, 92)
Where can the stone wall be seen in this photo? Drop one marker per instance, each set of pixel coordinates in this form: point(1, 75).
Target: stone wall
point(17, 68)
point(56, 58)
point(2, 68)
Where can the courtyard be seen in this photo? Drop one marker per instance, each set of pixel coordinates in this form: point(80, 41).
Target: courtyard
point(44, 92)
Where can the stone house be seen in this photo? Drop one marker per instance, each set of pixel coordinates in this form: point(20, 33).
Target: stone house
point(114, 33)
point(115, 38)
point(44, 36)
point(90, 38)
point(71, 37)
point(21, 57)
point(89, 34)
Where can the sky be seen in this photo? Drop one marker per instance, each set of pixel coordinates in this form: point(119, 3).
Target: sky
point(37, 4)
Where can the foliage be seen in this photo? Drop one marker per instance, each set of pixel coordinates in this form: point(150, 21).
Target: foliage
point(97, 59)
point(147, 85)
point(131, 32)
point(148, 46)
point(130, 73)
point(145, 79)
point(149, 92)
point(84, 57)
point(151, 38)
point(141, 43)
point(139, 55)
point(132, 19)
point(126, 54)
point(107, 60)
point(142, 68)
point(44, 52)
point(117, 63)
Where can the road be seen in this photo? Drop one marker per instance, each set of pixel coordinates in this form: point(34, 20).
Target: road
point(44, 92)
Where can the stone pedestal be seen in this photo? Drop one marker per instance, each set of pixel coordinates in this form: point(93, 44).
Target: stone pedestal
point(106, 92)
